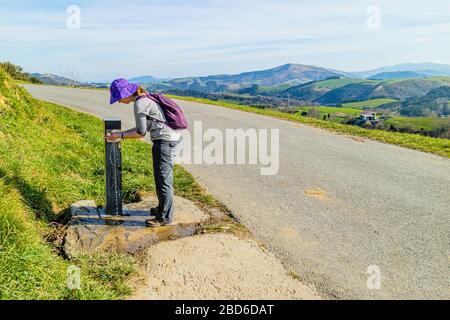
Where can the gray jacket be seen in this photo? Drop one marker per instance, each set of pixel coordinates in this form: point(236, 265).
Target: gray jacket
point(158, 131)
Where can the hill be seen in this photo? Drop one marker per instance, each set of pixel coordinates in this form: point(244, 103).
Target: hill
point(287, 74)
point(314, 90)
point(369, 90)
point(145, 80)
point(434, 103)
point(50, 157)
point(53, 79)
point(397, 75)
point(16, 72)
point(426, 69)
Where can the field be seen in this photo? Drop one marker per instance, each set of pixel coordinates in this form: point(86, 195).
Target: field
point(332, 110)
point(370, 104)
point(336, 83)
point(337, 115)
point(50, 157)
point(419, 123)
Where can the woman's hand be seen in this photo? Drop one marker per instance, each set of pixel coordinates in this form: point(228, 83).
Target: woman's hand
point(112, 136)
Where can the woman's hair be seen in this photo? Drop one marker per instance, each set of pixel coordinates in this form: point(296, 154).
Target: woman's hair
point(140, 92)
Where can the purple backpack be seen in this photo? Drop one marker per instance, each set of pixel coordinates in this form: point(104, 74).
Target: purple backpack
point(173, 113)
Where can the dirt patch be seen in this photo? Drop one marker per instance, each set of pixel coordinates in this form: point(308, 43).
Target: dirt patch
point(358, 139)
point(3, 103)
point(216, 266)
point(317, 193)
point(288, 233)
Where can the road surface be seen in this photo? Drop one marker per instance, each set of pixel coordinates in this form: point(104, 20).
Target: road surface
point(338, 208)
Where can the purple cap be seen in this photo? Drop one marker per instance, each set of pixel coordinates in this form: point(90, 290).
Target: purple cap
point(121, 88)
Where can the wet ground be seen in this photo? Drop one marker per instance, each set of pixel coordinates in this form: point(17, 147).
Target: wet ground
point(91, 230)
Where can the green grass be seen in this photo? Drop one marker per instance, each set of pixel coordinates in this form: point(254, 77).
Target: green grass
point(50, 157)
point(337, 83)
point(332, 110)
point(413, 141)
point(25, 82)
point(419, 123)
point(31, 269)
point(274, 89)
point(444, 79)
point(370, 104)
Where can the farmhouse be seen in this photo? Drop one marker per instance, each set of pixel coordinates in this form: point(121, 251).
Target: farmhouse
point(368, 116)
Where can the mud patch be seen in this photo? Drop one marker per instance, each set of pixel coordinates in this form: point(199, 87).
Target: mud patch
point(317, 193)
point(217, 266)
point(288, 233)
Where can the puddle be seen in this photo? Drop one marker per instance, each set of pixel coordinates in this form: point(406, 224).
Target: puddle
point(121, 233)
point(91, 230)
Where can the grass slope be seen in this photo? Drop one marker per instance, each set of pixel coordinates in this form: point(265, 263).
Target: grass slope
point(419, 123)
point(51, 157)
point(369, 104)
point(413, 141)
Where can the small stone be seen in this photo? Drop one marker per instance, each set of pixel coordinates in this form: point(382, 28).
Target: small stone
point(83, 207)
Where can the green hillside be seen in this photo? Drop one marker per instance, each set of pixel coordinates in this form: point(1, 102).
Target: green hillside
point(419, 123)
point(314, 90)
point(369, 104)
point(51, 157)
point(391, 89)
point(332, 110)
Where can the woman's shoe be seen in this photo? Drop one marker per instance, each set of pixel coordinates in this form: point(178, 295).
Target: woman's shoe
point(158, 223)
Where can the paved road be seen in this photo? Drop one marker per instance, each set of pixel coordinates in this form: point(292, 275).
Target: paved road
point(337, 206)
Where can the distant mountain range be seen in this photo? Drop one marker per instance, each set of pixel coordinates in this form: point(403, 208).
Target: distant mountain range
point(397, 75)
point(299, 82)
point(428, 69)
point(289, 75)
point(146, 80)
point(55, 80)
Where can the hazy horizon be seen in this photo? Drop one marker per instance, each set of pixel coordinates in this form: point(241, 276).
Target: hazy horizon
point(171, 39)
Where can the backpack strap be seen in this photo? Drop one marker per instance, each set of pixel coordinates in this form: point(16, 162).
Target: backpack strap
point(154, 100)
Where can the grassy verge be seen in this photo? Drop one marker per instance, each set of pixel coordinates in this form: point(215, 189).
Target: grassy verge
point(50, 157)
point(413, 141)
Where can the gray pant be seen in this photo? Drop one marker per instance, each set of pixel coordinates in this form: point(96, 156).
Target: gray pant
point(163, 162)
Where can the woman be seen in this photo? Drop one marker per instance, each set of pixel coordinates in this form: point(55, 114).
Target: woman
point(164, 138)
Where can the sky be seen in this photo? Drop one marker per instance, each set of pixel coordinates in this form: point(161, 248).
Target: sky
point(102, 40)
